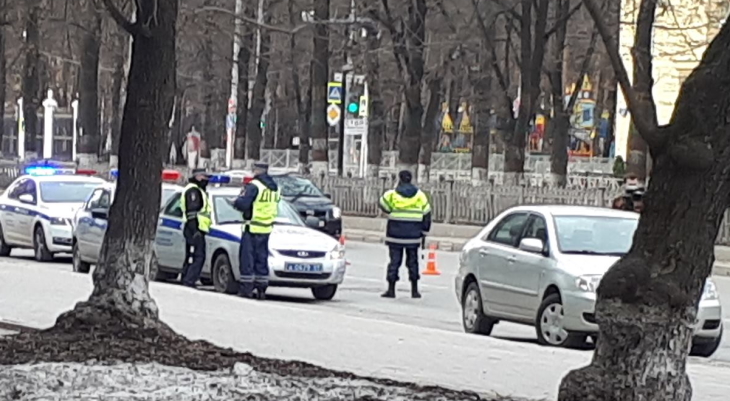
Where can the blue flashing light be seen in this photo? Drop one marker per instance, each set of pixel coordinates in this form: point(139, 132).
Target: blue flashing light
point(219, 179)
point(114, 174)
point(40, 170)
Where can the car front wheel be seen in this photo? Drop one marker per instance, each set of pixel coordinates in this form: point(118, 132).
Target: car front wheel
point(550, 325)
point(325, 292)
point(472, 312)
point(79, 265)
point(223, 279)
point(4, 247)
point(40, 248)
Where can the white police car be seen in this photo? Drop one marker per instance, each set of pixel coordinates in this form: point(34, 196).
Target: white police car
point(37, 209)
point(300, 257)
point(90, 220)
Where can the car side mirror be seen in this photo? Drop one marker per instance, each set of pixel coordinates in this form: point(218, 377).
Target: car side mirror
point(26, 198)
point(100, 213)
point(312, 222)
point(328, 196)
point(532, 245)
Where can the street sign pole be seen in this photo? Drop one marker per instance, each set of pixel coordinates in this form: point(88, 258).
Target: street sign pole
point(341, 143)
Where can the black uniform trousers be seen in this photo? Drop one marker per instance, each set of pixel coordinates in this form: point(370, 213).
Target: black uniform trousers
point(254, 262)
point(194, 257)
point(396, 260)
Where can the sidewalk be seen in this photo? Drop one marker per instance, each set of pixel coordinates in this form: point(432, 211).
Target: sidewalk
point(452, 238)
point(36, 295)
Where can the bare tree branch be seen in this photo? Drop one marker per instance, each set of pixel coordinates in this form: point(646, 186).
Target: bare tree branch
point(131, 28)
point(557, 23)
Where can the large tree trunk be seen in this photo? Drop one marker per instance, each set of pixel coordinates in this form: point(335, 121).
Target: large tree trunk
point(258, 95)
point(89, 87)
point(127, 259)
point(31, 77)
point(409, 141)
point(647, 302)
point(482, 121)
point(302, 123)
point(429, 132)
point(3, 71)
point(377, 118)
point(558, 128)
point(320, 74)
point(244, 61)
point(118, 77)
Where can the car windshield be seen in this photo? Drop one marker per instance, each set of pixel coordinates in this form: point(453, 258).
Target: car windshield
point(297, 186)
point(226, 214)
point(595, 235)
point(66, 191)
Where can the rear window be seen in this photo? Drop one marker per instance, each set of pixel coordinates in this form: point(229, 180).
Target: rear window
point(66, 191)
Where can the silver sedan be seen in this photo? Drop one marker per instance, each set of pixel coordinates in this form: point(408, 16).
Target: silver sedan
point(541, 265)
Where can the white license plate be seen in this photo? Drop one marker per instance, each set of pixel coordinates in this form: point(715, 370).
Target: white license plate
point(303, 267)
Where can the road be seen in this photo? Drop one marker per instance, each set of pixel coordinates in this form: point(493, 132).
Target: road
point(359, 296)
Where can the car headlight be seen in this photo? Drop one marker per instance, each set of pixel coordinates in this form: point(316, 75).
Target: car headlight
point(336, 254)
point(336, 212)
point(709, 293)
point(57, 221)
point(588, 283)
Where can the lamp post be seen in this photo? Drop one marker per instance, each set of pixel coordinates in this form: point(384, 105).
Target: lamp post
point(49, 106)
point(75, 131)
point(21, 131)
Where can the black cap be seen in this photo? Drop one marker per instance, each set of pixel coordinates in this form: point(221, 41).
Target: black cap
point(405, 176)
point(197, 171)
point(262, 166)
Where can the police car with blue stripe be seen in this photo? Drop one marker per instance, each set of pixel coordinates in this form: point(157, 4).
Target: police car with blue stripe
point(37, 209)
point(300, 256)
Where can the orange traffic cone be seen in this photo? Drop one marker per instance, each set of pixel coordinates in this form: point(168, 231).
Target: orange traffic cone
point(431, 269)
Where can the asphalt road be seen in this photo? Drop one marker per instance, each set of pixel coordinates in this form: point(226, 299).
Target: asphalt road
point(360, 296)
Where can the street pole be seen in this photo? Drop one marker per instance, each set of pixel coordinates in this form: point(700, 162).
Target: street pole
point(233, 102)
point(341, 136)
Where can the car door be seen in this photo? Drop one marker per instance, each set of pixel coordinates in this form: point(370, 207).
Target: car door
point(82, 231)
point(170, 242)
point(528, 268)
point(8, 214)
point(497, 253)
point(26, 212)
point(97, 228)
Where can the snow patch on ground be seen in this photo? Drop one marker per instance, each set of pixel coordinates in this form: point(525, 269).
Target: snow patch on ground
point(154, 382)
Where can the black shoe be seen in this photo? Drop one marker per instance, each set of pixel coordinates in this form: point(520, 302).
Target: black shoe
point(261, 294)
point(414, 290)
point(390, 293)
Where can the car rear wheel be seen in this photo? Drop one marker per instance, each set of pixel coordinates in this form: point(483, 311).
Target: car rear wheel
point(472, 312)
point(706, 349)
point(79, 265)
point(40, 249)
point(223, 279)
point(325, 292)
point(4, 247)
point(550, 325)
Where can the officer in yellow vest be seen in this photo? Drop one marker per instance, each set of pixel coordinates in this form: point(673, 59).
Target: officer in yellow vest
point(409, 220)
point(196, 210)
point(259, 204)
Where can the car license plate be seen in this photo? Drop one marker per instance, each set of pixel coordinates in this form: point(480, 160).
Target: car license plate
point(303, 267)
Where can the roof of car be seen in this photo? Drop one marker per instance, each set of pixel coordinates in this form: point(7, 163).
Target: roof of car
point(65, 178)
point(225, 191)
point(572, 210)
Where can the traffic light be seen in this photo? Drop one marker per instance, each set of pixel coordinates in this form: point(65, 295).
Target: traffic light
point(353, 107)
point(354, 93)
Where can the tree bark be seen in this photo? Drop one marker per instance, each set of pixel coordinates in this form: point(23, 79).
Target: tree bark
point(302, 123)
point(121, 279)
point(415, 37)
point(244, 62)
point(210, 89)
point(89, 87)
point(258, 95)
point(482, 121)
point(320, 74)
point(428, 132)
point(377, 118)
point(647, 302)
point(31, 76)
point(118, 78)
point(3, 69)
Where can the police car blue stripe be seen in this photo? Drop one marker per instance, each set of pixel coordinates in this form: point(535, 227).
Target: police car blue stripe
point(222, 235)
point(170, 223)
point(24, 211)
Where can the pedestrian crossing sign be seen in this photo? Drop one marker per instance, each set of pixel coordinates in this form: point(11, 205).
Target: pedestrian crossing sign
point(334, 93)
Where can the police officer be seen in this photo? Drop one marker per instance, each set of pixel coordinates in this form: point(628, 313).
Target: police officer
point(196, 212)
point(409, 220)
point(259, 203)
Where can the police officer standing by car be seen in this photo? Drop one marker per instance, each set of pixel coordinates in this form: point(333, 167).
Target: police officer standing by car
point(259, 203)
point(196, 212)
point(409, 220)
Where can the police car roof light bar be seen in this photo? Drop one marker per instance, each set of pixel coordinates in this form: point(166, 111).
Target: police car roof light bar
point(171, 175)
point(114, 174)
point(85, 172)
point(219, 179)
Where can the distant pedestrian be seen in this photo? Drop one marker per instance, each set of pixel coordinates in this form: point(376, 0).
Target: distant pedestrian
point(196, 210)
point(259, 203)
point(409, 220)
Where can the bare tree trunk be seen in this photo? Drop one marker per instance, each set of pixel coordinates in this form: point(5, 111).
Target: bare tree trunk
point(244, 61)
point(482, 121)
point(428, 135)
point(127, 259)
point(320, 74)
point(558, 128)
point(258, 96)
point(118, 78)
point(647, 302)
point(3, 70)
point(302, 124)
point(89, 87)
point(377, 118)
point(31, 77)
point(409, 143)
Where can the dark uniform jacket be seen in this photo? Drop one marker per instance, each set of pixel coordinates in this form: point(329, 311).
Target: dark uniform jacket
point(193, 203)
point(244, 203)
point(410, 232)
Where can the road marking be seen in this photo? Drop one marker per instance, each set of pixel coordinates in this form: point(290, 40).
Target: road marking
point(375, 280)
